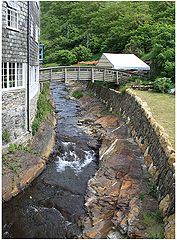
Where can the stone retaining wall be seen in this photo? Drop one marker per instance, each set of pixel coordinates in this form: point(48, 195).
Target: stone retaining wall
point(159, 154)
point(14, 113)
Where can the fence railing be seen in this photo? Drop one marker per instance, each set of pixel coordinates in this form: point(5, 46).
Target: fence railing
point(78, 73)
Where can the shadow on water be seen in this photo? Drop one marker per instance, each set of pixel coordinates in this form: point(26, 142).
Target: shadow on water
point(53, 206)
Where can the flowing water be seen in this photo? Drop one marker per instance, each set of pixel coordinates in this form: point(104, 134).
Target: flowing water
point(53, 206)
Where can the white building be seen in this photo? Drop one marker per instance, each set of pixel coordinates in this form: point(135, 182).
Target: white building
point(20, 68)
point(124, 62)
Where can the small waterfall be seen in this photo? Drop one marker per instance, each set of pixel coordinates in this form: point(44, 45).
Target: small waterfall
point(70, 159)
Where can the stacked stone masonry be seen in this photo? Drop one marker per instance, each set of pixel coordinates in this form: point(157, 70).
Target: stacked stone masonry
point(14, 113)
point(159, 155)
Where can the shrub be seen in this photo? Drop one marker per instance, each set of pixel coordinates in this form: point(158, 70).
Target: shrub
point(82, 53)
point(62, 57)
point(152, 189)
point(5, 136)
point(123, 89)
point(154, 224)
point(163, 84)
point(77, 94)
point(12, 148)
point(138, 81)
point(35, 125)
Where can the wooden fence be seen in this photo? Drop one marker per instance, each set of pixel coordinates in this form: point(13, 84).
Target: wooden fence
point(74, 73)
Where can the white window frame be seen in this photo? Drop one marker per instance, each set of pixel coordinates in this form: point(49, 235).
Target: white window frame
point(23, 77)
point(41, 54)
point(10, 27)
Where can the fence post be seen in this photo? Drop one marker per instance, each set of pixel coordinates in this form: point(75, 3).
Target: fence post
point(92, 75)
point(78, 73)
point(117, 78)
point(65, 74)
point(51, 74)
point(41, 86)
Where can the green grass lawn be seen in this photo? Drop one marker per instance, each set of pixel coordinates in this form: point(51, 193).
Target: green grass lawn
point(163, 109)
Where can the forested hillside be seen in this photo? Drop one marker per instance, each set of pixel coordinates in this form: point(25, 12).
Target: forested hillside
point(75, 31)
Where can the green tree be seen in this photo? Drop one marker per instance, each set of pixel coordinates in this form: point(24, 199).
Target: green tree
point(76, 30)
point(82, 53)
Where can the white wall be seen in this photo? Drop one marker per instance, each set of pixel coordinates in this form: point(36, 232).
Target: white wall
point(34, 81)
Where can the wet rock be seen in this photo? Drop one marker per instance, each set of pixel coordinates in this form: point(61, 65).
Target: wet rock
point(113, 234)
point(40, 222)
point(30, 166)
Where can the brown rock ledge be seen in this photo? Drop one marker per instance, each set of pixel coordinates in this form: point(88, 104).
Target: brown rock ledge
point(24, 167)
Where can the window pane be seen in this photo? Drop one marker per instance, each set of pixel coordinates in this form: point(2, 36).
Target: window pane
point(11, 75)
point(19, 75)
point(4, 75)
point(12, 19)
point(14, 71)
point(8, 15)
point(5, 81)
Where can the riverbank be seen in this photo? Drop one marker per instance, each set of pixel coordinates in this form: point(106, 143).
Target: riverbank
point(23, 163)
point(95, 185)
point(159, 156)
point(121, 200)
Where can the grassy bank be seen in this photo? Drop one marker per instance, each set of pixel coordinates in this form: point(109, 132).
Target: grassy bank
point(44, 107)
point(162, 107)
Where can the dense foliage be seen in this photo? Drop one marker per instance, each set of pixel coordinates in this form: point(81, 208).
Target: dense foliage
point(75, 31)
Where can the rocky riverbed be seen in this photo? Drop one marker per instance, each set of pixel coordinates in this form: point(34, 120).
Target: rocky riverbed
point(95, 185)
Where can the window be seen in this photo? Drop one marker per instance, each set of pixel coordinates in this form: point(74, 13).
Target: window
point(34, 74)
point(12, 19)
point(41, 53)
point(12, 75)
point(19, 75)
point(4, 75)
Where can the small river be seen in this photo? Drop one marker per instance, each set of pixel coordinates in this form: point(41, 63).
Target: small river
point(53, 205)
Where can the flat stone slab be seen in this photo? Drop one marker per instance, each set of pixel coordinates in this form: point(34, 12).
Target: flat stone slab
point(26, 167)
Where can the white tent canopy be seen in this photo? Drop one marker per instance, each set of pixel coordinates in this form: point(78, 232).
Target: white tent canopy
point(126, 62)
